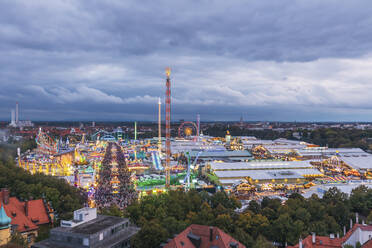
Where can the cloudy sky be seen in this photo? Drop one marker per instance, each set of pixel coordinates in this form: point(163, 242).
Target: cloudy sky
point(262, 59)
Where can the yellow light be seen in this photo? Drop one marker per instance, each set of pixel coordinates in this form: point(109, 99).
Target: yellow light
point(167, 71)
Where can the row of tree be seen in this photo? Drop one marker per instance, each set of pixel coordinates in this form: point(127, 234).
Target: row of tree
point(337, 137)
point(332, 137)
point(260, 224)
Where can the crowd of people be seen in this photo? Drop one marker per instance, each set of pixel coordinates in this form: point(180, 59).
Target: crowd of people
point(127, 193)
point(114, 185)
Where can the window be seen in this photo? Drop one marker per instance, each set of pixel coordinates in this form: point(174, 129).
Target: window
point(216, 237)
point(101, 236)
point(86, 242)
point(182, 243)
point(30, 238)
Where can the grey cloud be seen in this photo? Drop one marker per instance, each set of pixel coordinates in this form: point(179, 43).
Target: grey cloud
point(83, 59)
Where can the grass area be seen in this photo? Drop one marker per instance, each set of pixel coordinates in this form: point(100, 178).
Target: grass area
point(155, 182)
point(213, 179)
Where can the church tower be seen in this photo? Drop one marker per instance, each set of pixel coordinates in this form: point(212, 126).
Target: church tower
point(4, 226)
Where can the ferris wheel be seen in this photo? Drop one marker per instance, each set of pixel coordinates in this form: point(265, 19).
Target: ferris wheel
point(187, 128)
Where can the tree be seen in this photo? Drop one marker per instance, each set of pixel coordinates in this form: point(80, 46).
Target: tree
point(113, 210)
point(18, 240)
point(173, 225)
point(205, 216)
point(243, 237)
point(224, 222)
point(361, 200)
point(281, 228)
point(261, 242)
point(254, 207)
point(302, 214)
point(271, 219)
point(369, 218)
point(151, 235)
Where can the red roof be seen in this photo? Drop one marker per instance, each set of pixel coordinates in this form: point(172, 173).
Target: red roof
point(327, 242)
point(38, 211)
point(320, 242)
point(352, 230)
point(368, 244)
point(16, 210)
point(219, 238)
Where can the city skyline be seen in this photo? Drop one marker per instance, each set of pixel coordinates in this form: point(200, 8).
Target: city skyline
point(263, 60)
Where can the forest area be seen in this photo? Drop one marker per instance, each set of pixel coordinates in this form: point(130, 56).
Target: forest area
point(260, 224)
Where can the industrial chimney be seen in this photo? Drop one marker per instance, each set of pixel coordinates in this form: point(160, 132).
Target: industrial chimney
point(12, 118)
point(17, 113)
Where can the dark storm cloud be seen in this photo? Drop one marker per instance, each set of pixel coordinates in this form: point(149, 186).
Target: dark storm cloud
point(266, 60)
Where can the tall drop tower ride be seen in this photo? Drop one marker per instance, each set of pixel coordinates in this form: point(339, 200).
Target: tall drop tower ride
point(159, 126)
point(167, 128)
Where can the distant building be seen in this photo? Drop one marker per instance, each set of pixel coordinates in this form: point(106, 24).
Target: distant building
point(4, 135)
point(26, 217)
point(221, 155)
point(115, 135)
point(14, 119)
point(199, 236)
point(88, 229)
point(264, 171)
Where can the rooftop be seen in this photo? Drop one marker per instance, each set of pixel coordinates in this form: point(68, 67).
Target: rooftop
point(219, 153)
point(26, 215)
point(205, 236)
point(255, 165)
point(96, 225)
point(267, 174)
point(358, 162)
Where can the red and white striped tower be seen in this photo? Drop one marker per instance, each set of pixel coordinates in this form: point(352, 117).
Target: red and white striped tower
point(159, 126)
point(167, 128)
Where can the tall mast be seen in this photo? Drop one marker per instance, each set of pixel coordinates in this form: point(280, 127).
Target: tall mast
point(198, 126)
point(135, 131)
